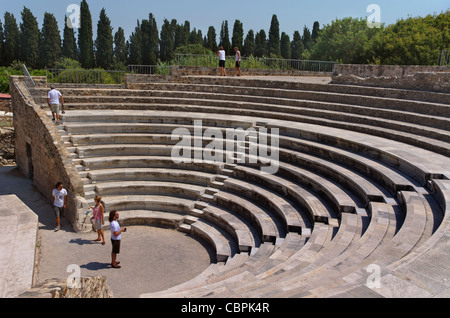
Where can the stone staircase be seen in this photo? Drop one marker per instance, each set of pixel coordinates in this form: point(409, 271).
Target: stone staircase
point(362, 182)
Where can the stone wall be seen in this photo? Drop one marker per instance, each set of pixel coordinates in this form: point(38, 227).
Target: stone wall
point(416, 77)
point(85, 287)
point(41, 153)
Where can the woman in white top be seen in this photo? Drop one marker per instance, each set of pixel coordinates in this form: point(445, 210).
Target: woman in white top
point(221, 55)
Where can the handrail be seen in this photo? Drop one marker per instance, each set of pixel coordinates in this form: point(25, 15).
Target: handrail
point(260, 63)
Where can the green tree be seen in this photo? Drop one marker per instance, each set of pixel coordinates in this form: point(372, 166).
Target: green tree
point(273, 44)
point(153, 49)
point(104, 41)
point(182, 34)
point(167, 41)
point(135, 46)
point(11, 47)
point(285, 46)
point(2, 43)
point(261, 44)
point(50, 48)
point(315, 31)
point(69, 45)
point(297, 46)
point(29, 39)
point(345, 41)
point(412, 41)
point(120, 47)
point(307, 38)
point(249, 44)
point(196, 37)
point(85, 41)
point(211, 42)
point(238, 35)
point(225, 38)
point(150, 41)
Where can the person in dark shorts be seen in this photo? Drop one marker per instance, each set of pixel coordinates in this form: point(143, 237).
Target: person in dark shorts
point(116, 237)
point(238, 62)
point(222, 57)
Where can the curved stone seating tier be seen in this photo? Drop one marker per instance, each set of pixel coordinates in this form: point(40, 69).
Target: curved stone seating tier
point(302, 103)
point(436, 139)
point(361, 181)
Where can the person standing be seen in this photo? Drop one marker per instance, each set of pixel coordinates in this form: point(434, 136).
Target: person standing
point(98, 214)
point(116, 237)
point(238, 61)
point(221, 55)
point(54, 100)
point(59, 199)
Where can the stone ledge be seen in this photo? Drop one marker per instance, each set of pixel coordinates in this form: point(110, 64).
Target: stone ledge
point(18, 248)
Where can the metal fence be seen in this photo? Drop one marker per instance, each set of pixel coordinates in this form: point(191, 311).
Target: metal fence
point(81, 77)
point(444, 58)
point(148, 73)
point(256, 63)
point(30, 85)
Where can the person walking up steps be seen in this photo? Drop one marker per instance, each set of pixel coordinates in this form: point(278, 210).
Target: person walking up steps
point(54, 98)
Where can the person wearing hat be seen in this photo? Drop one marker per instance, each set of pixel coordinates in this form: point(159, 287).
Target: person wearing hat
point(54, 100)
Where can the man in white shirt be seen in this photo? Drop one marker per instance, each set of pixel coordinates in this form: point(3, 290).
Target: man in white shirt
point(59, 195)
point(54, 99)
point(116, 236)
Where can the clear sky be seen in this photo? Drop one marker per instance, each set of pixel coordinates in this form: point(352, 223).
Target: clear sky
point(254, 14)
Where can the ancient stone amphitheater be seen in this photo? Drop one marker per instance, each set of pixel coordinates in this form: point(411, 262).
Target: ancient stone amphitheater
point(359, 205)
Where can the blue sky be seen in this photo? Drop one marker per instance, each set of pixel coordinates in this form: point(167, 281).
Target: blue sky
point(254, 14)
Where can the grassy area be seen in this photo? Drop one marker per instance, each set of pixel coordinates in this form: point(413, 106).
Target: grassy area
point(6, 122)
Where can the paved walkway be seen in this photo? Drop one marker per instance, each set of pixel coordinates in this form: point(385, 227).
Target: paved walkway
point(152, 259)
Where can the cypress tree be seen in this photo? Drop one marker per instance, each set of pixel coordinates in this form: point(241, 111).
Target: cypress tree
point(196, 37)
point(211, 42)
point(153, 38)
point(273, 45)
point(69, 46)
point(85, 41)
point(238, 35)
point(135, 46)
point(315, 31)
point(120, 47)
point(225, 38)
point(249, 44)
point(11, 46)
point(297, 46)
point(104, 41)
point(50, 48)
point(186, 32)
point(29, 39)
point(2, 42)
point(285, 46)
point(307, 40)
point(261, 44)
point(167, 41)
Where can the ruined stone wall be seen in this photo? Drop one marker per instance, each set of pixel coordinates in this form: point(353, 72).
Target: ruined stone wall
point(416, 77)
point(41, 154)
point(85, 287)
